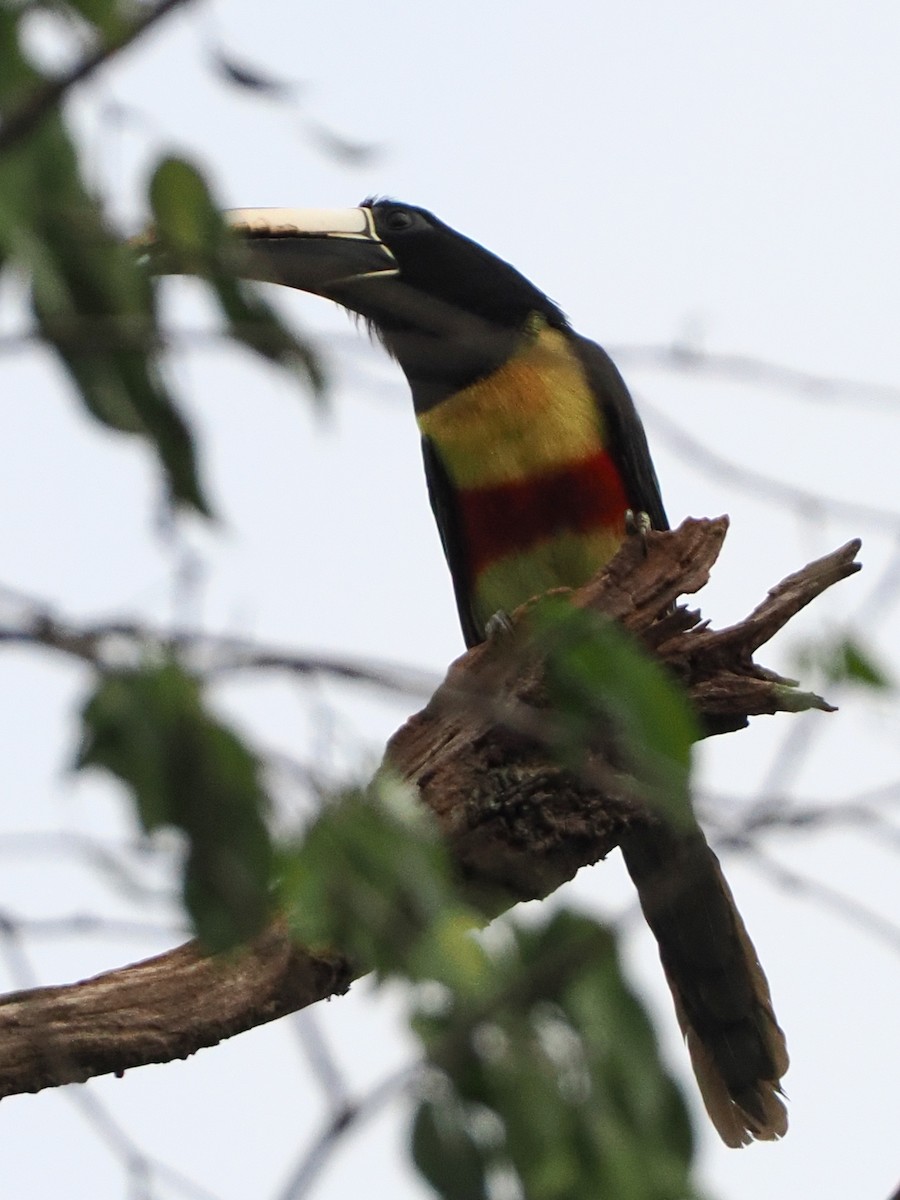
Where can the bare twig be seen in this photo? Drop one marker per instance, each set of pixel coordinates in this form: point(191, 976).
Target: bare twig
point(140, 1166)
point(322, 1061)
point(845, 906)
point(737, 475)
point(22, 120)
point(758, 372)
point(103, 858)
point(119, 644)
point(92, 924)
point(780, 812)
point(314, 1159)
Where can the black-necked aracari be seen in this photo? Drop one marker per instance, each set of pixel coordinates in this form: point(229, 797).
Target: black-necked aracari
point(534, 454)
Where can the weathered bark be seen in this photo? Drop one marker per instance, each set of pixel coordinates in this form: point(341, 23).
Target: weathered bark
point(477, 753)
point(517, 824)
point(157, 1010)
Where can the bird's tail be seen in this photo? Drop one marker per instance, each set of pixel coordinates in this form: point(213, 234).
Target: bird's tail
point(720, 991)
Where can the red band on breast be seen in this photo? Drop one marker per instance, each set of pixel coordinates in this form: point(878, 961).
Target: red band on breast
point(579, 498)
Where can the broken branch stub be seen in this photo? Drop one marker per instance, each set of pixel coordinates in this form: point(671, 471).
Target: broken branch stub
point(518, 823)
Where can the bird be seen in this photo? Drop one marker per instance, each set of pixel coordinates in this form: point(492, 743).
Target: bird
point(537, 465)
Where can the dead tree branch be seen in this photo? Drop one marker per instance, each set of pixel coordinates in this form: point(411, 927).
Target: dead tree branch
point(517, 823)
point(157, 1010)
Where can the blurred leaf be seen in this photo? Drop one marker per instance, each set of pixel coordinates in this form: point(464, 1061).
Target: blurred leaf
point(187, 221)
point(352, 153)
point(563, 1059)
point(110, 17)
point(546, 1068)
point(17, 76)
point(251, 78)
point(446, 1153)
point(192, 238)
point(372, 880)
point(843, 659)
point(186, 769)
point(598, 674)
point(92, 302)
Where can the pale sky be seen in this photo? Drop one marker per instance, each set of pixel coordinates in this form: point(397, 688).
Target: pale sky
point(725, 175)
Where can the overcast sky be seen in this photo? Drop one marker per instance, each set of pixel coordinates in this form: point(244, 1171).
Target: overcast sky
point(717, 175)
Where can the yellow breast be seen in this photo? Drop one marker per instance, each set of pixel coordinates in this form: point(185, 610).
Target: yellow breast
point(533, 415)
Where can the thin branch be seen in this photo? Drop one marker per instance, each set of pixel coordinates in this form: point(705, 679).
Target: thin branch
point(786, 763)
point(781, 812)
point(314, 1159)
point(137, 332)
point(735, 474)
point(883, 592)
point(20, 968)
point(117, 644)
point(140, 1166)
point(103, 859)
point(747, 368)
point(322, 1061)
point(82, 924)
point(22, 120)
point(839, 902)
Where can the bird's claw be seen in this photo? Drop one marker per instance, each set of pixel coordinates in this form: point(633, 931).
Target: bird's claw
point(637, 524)
point(498, 626)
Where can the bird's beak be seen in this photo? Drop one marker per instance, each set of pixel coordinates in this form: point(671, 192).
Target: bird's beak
point(313, 249)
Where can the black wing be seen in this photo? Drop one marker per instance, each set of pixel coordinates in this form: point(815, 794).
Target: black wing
point(628, 442)
point(446, 513)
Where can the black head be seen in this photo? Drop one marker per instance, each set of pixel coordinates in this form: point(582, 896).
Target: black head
point(447, 309)
point(438, 261)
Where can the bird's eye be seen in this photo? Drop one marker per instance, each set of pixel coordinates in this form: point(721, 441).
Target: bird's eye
point(398, 220)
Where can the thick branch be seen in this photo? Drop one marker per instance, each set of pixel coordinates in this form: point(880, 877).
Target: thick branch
point(157, 1010)
point(517, 823)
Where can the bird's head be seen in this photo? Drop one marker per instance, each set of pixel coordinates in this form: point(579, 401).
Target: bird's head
point(446, 308)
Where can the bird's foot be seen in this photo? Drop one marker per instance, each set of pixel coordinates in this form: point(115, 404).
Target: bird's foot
point(498, 626)
point(637, 524)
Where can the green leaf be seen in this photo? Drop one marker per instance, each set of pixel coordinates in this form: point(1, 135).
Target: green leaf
point(18, 78)
point(559, 1063)
point(844, 659)
point(108, 16)
point(446, 1153)
point(192, 238)
point(599, 676)
point(187, 770)
point(187, 222)
point(372, 880)
point(92, 301)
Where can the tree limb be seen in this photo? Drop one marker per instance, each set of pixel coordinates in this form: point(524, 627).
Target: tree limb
point(157, 1010)
point(517, 823)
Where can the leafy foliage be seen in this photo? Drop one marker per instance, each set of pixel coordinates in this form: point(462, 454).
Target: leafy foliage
point(149, 727)
point(93, 300)
point(543, 1067)
point(190, 238)
point(844, 659)
point(551, 1076)
point(598, 674)
point(372, 879)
